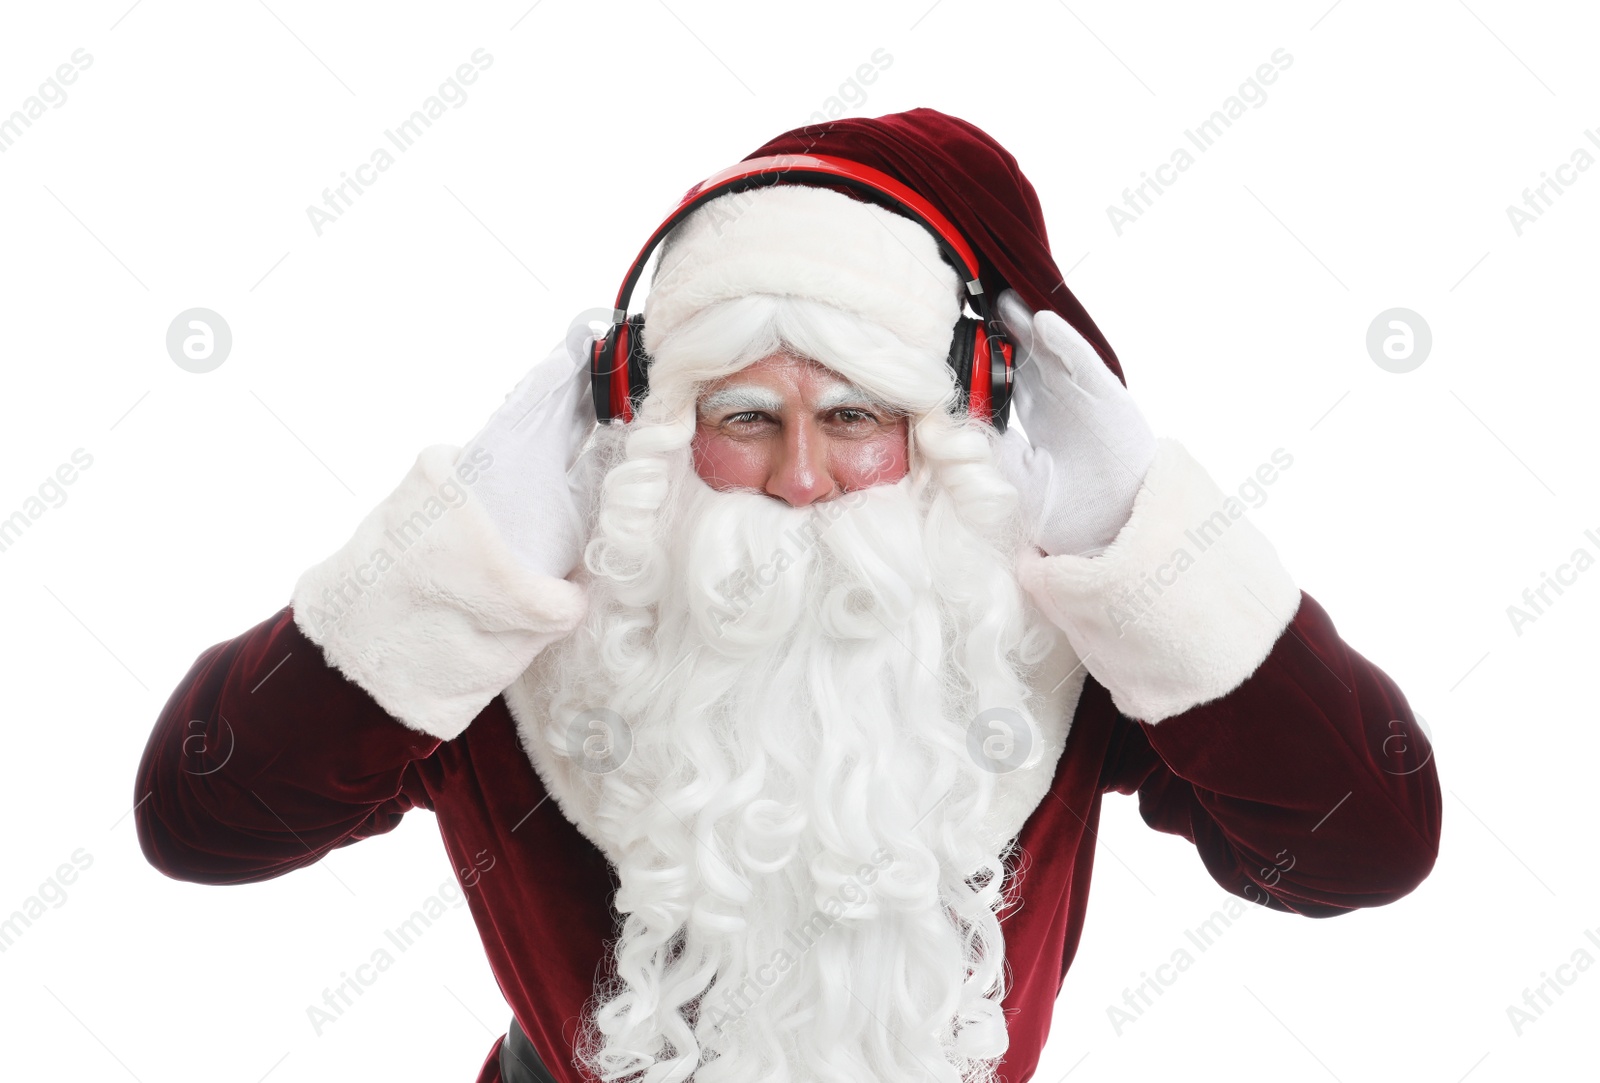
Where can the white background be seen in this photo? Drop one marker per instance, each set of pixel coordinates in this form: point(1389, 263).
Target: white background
point(1419, 506)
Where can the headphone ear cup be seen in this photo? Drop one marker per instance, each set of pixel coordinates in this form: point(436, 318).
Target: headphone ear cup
point(617, 370)
point(1004, 376)
point(638, 364)
point(963, 350)
point(602, 361)
point(1001, 373)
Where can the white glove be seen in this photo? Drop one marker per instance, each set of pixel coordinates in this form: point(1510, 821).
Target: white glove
point(1088, 446)
point(537, 489)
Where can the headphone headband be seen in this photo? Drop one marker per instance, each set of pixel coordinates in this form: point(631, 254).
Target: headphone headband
point(618, 366)
point(878, 186)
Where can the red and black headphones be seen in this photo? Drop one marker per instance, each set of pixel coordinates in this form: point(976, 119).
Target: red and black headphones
point(980, 355)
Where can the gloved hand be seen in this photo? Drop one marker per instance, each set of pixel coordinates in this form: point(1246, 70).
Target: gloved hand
point(1088, 446)
point(537, 489)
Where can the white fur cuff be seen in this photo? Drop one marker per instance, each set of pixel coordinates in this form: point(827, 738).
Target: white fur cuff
point(1183, 606)
point(426, 608)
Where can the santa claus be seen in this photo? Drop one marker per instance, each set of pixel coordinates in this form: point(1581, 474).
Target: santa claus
point(825, 666)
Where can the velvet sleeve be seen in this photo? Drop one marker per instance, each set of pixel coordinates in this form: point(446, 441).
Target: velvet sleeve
point(304, 733)
point(1309, 788)
point(265, 758)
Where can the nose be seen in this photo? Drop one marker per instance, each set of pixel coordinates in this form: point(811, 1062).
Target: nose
point(800, 474)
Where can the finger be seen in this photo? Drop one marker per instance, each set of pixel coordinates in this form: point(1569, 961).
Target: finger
point(578, 385)
point(1030, 471)
point(545, 391)
point(1017, 319)
point(1049, 403)
point(584, 476)
point(577, 412)
point(1014, 314)
point(1012, 460)
point(1082, 361)
point(1014, 451)
point(1053, 363)
point(580, 340)
point(1043, 390)
point(1044, 373)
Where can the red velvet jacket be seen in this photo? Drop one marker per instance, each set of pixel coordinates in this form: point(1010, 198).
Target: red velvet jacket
point(316, 764)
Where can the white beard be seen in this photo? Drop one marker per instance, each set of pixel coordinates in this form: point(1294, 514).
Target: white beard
point(774, 712)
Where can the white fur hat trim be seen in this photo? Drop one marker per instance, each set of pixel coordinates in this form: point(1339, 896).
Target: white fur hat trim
point(813, 243)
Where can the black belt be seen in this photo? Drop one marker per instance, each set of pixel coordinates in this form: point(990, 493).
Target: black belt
point(518, 1061)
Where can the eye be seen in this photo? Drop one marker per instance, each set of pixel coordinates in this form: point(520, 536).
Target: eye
point(745, 421)
point(851, 414)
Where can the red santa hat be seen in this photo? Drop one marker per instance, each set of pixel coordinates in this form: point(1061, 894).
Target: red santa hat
point(861, 257)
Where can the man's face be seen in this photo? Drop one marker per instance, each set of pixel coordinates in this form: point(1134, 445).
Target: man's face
point(796, 431)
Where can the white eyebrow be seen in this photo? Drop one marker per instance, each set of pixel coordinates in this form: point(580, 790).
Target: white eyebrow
point(742, 398)
point(845, 394)
point(749, 397)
